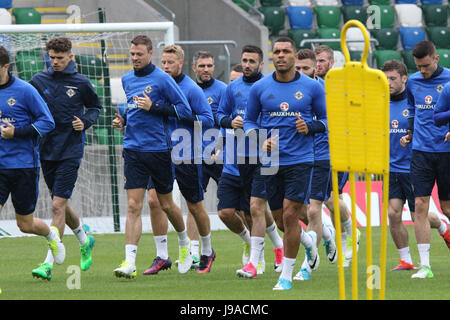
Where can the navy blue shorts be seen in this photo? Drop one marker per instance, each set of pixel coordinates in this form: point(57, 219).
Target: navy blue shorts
point(23, 185)
point(400, 188)
point(231, 195)
point(320, 184)
point(61, 176)
point(252, 180)
point(428, 168)
point(209, 171)
point(189, 179)
point(342, 180)
point(293, 181)
point(139, 167)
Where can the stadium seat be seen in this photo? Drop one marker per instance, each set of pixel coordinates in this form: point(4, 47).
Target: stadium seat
point(271, 3)
point(244, 5)
point(27, 16)
point(89, 65)
point(28, 64)
point(354, 12)
point(354, 33)
point(406, 2)
point(409, 15)
point(425, 2)
point(408, 60)
point(328, 16)
point(435, 15)
point(300, 3)
point(327, 3)
point(387, 38)
point(300, 17)
point(353, 3)
point(355, 55)
point(381, 56)
point(387, 17)
point(444, 57)
point(410, 36)
point(330, 33)
point(339, 59)
point(440, 36)
point(6, 4)
point(379, 2)
point(297, 35)
point(274, 18)
point(5, 16)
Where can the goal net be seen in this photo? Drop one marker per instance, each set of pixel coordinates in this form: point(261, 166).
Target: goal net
point(101, 54)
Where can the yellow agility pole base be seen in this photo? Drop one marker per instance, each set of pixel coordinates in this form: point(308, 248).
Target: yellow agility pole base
point(357, 98)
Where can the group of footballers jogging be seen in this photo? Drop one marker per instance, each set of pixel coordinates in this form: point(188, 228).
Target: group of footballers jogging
point(269, 154)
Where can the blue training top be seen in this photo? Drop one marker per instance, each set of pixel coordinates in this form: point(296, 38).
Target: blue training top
point(24, 108)
point(147, 131)
point(442, 109)
point(321, 146)
point(201, 112)
point(399, 157)
point(213, 90)
point(66, 93)
point(233, 104)
point(422, 97)
point(278, 103)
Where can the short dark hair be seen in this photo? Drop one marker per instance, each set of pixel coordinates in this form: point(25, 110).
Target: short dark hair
point(306, 54)
point(4, 56)
point(59, 45)
point(424, 48)
point(253, 49)
point(396, 65)
point(143, 39)
point(201, 55)
point(237, 68)
point(285, 39)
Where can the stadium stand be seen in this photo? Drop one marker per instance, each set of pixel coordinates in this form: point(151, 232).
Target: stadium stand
point(5, 16)
point(300, 17)
point(27, 16)
point(409, 15)
point(435, 15)
point(410, 36)
point(444, 57)
point(440, 36)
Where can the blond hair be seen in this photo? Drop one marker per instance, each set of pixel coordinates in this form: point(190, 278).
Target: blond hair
point(175, 49)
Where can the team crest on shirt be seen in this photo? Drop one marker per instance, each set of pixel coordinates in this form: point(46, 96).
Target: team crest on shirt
point(148, 89)
point(428, 99)
point(439, 88)
point(405, 113)
point(298, 95)
point(70, 92)
point(11, 101)
point(394, 124)
point(210, 100)
point(284, 106)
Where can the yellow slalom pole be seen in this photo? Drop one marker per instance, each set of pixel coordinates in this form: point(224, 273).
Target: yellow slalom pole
point(354, 238)
point(368, 234)
point(337, 222)
point(384, 236)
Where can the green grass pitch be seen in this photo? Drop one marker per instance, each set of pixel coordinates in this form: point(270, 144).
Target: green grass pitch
point(20, 255)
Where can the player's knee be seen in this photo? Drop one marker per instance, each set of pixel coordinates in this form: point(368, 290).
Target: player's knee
point(153, 203)
point(25, 226)
point(134, 207)
point(394, 216)
point(225, 214)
